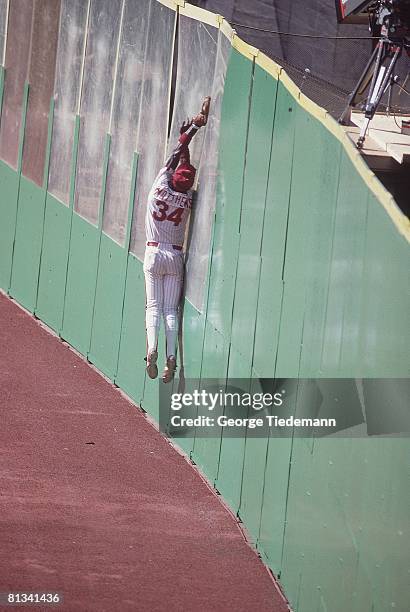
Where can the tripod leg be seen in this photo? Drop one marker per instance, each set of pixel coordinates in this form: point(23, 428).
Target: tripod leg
point(389, 87)
point(381, 53)
point(367, 74)
point(375, 101)
point(379, 85)
point(362, 137)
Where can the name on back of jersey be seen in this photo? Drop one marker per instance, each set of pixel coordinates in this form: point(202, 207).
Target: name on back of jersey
point(180, 200)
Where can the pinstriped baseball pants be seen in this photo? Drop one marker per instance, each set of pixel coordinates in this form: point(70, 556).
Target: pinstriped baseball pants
point(164, 272)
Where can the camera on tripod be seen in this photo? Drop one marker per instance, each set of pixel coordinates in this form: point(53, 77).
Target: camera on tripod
point(389, 24)
point(373, 12)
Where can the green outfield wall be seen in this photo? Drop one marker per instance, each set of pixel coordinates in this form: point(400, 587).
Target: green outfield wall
point(303, 270)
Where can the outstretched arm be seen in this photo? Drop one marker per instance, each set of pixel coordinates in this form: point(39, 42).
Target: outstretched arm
point(188, 131)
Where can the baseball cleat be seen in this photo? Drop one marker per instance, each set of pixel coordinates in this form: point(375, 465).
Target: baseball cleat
point(152, 368)
point(169, 370)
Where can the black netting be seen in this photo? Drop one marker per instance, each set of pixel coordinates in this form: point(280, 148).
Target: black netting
point(335, 65)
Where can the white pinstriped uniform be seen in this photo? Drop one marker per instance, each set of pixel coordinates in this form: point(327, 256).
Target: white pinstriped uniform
point(166, 219)
point(167, 211)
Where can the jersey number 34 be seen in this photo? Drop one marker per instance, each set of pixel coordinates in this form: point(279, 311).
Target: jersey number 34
point(161, 214)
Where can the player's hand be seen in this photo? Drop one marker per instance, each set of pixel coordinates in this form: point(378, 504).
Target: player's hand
point(185, 126)
point(202, 118)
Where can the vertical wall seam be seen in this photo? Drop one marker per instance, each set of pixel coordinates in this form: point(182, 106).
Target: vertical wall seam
point(332, 252)
point(258, 290)
point(73, 174)
point(19, 165)
point(362, 301)
point(44, 187)
point(143, 77)
point(238, 257)
point(212, 241)
point(6, 31)
point(290, 460)
point(284, 254)
point(107, 147)
point(221, 437)
point(58, 47)
point(2, 81)
point(126, 251)
point(263, 226)
point(171, 69)
point(84, 54)
point(257, 303)
point(31, 42)
point(117, 56)
point(250, 96)
point(242, 196)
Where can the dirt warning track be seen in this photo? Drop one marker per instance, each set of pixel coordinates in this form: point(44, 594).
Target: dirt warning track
point(96, 505)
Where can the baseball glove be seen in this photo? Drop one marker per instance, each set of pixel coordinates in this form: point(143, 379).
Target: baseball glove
point(202, 118)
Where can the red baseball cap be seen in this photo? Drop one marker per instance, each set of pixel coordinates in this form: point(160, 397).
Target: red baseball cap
point(183, 177)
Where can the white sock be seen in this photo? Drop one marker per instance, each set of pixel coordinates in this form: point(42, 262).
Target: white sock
point(171, 331)
point(171, 336)
point(152, 338)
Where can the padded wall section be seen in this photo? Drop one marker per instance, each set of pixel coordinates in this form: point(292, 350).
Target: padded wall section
point(44, 37)
point(120, 188)
point(80, 285)
point(69, 64)
point(154, 112)
point(195, 41)
point(9, 180)
point(215, 354)
point(82, 281)
point(107, 312)
point(16, 65)
point(191, 336)
point(224, 251)
point(234, 122)
point(27, 243)
point(202, 221)
point(126, 107)
point(37, 132)
point(63, 161)
point(1, 87)
point(316, 309)
point(248, 266)
point(270, 287)
point(54, 260)
point(385, 312)
point(96, 97)
point(344, 523)
point(3, 27)
point(131, 373)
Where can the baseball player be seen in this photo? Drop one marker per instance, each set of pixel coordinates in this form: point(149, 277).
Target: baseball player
point(168, 210)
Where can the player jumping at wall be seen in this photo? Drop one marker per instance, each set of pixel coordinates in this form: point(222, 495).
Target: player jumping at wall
point(168, 209)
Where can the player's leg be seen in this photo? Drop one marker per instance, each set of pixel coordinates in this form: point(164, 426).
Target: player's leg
point(172, 294)
point(154, 304)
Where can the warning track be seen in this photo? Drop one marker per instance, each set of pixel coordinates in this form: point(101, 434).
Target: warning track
point(96, 505)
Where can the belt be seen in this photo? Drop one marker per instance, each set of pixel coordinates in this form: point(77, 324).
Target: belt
point(174, 246)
